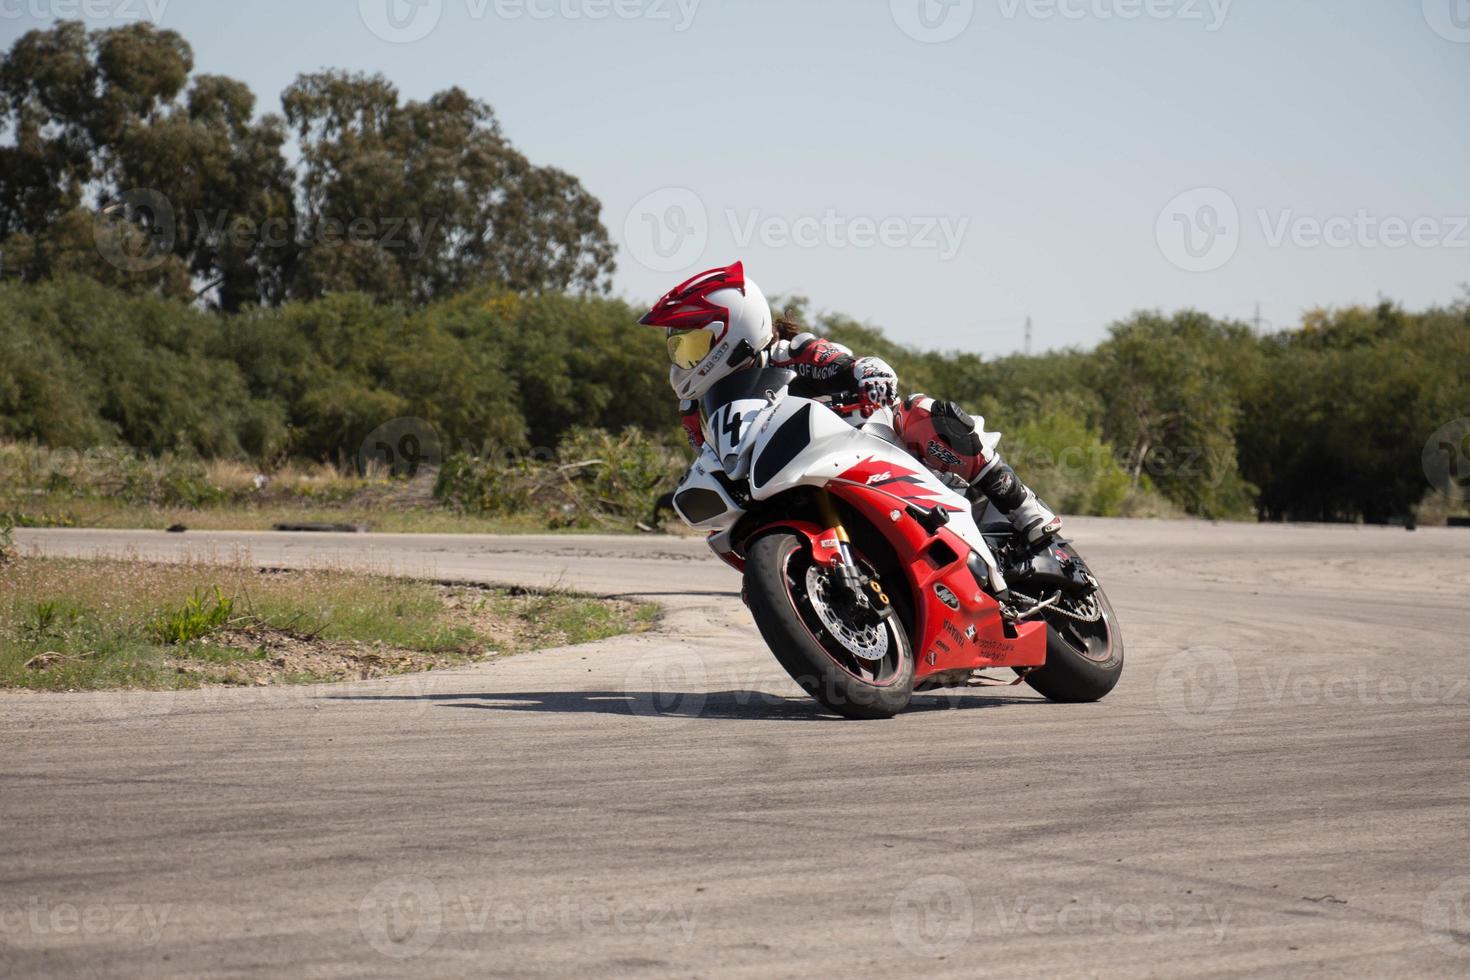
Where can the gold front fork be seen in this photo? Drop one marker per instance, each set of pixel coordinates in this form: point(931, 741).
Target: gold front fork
point(830, 517)
point(833, 521)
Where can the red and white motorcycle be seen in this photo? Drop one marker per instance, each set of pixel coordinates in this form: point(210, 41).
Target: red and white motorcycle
point(868, 576)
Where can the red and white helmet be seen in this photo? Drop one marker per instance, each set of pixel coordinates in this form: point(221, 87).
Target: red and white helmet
point(717, 323)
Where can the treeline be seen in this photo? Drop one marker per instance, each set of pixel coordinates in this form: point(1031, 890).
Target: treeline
point(1324, 422)
point(171, 283)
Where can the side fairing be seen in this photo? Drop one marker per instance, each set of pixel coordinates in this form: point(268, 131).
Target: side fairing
point(803, 443)
point(706, 499)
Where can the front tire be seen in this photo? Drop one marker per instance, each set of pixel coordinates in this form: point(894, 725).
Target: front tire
point(778, 577)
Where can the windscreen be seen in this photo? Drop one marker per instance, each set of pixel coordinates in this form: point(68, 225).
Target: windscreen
point(741, 385)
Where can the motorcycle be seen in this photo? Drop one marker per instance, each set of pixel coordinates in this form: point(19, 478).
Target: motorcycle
point(868, 575)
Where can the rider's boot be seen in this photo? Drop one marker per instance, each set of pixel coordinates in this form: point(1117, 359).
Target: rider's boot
point(998, 484)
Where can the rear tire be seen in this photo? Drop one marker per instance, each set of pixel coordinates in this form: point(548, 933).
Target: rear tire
point(1080, 664)
point(775, 570)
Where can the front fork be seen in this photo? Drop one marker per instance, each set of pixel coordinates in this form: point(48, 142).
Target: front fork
point(860, 587)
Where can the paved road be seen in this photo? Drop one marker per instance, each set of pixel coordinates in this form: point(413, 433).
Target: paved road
point(1278, 786)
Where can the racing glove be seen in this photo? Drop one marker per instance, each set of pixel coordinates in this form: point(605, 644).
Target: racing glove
point(878, 383)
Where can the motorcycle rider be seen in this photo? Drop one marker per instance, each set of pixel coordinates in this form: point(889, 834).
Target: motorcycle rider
point(719, 322)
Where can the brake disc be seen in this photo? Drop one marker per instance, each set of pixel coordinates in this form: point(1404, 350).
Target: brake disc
point(869, 642)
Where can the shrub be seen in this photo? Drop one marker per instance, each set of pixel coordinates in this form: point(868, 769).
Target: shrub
point(194, 620)
point(596, 478)
point(499, 484)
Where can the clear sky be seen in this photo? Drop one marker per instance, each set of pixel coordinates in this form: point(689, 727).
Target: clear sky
point(945, 168)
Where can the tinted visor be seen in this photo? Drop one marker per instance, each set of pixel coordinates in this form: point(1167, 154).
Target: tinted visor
point(688, 347)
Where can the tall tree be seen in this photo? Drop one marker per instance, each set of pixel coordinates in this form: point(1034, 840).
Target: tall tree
point(114, 170)
point(418, 200)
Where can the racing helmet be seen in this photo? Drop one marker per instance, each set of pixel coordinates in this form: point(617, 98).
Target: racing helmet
point(716, 323)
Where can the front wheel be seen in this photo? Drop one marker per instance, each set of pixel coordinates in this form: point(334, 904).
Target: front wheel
point(846, 656)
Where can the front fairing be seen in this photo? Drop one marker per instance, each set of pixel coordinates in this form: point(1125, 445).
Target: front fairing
point(733, 411)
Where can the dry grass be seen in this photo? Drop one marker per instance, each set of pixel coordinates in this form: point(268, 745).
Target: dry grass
point(88, 625)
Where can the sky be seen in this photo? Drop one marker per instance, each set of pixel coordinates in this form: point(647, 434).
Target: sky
point(944, 168)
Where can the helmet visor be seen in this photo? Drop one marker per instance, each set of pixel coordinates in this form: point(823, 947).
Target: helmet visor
point(688, 347)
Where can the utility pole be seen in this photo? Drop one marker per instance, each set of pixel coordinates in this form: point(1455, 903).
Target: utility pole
point(1257, 321)
point(1028, 336)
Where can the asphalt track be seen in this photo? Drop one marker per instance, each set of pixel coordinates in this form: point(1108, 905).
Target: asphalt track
point(1278, 787)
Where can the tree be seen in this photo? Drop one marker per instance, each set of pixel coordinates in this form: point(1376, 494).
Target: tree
point(1170, 406)
point(109, 173)
point(419, 200)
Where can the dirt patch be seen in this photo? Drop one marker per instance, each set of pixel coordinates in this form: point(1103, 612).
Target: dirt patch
point(268, 656)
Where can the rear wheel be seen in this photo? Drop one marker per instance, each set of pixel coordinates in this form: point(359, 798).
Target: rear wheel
point(845, 655)
point(1084, 650)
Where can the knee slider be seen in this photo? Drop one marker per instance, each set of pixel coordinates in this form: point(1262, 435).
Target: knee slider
point(957, 428)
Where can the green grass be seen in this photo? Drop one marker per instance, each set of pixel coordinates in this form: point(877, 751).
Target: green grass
point(573, 618)
point(92, 625)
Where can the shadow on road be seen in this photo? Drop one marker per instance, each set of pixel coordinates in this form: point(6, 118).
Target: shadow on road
point(739, 705)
